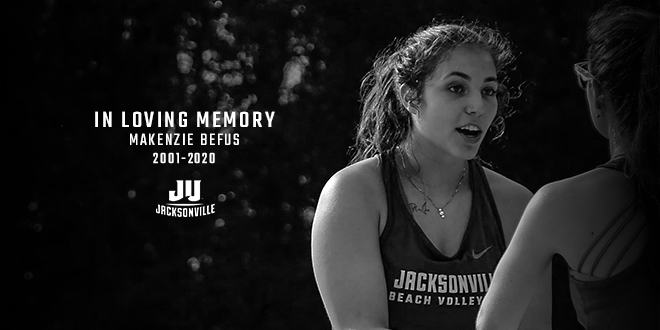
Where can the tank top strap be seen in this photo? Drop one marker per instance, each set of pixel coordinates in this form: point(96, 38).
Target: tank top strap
point(388, 171)
point(390, 179)
point(386, 168)
point(481, 189)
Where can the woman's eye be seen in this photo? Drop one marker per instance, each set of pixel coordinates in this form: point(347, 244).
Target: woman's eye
point(489, 92)
point(456, 89)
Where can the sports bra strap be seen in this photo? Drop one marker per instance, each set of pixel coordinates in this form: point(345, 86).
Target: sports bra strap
point(627, 214)
point(623, 252)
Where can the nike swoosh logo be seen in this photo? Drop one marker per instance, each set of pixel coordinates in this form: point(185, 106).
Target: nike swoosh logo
point(480, 254)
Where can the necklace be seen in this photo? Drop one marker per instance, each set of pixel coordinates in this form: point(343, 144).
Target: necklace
point(441, 210)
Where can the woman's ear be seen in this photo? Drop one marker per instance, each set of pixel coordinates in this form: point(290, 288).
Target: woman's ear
point(600, 105)
point(604, 110)
point(603, 103)
point(409, 99)
point(600, 98)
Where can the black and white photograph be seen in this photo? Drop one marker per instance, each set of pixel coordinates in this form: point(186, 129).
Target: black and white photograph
point(333, 165)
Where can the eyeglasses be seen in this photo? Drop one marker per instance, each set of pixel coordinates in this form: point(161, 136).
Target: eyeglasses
point(583, 74)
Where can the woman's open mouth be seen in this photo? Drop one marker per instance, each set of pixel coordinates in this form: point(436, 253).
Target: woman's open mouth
point(470, 133)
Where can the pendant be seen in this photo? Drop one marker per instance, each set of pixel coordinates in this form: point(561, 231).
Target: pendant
point(441, 212)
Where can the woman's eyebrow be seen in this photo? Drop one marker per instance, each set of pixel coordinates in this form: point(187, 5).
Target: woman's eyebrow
point(467, 77)
point(458, 73)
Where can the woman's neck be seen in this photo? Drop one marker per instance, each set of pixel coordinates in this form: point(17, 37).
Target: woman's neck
point(614, 138)
point(435, 170)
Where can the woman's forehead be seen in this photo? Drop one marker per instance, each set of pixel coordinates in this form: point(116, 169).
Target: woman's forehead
point(470, 60)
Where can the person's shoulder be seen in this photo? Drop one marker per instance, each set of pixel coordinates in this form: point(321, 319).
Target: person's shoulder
point(358, 185)
point(562, 209)
point(594, 187)
point(353, 197)
point(505, 188)
point(511, 199)
point(363, 176)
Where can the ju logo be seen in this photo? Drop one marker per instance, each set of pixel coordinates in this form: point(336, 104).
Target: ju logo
point(185, 201)
point(185, 188)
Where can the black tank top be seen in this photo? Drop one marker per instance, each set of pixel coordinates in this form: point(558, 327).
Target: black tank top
point(426, 289)
point(627, 300)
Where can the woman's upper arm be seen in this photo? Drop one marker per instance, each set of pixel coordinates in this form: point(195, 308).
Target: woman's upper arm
point(346, 252)
point(526, 262)
point(512, 200)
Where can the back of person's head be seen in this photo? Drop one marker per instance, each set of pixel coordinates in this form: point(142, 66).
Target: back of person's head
point(623, 56)
point(385, 122)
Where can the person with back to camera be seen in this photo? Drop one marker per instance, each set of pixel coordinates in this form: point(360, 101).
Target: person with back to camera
point(604, 222)
point(408, 235)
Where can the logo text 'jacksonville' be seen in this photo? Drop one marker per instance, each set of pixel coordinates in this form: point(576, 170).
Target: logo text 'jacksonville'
point(421, 288)
point(186, 190)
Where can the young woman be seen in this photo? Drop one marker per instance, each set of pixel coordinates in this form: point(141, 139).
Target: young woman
point(408, 235)
point(603, 222)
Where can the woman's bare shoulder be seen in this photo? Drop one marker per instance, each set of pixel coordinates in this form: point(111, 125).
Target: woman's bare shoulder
point(503, 187)
point(511, 199)
point(355, 192)
point(363, 177)
point(345, 245)
point(566, 213)
point(585, 195)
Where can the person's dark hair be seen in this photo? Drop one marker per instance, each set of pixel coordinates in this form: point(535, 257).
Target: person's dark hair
point(623, 56)
point(384, 122)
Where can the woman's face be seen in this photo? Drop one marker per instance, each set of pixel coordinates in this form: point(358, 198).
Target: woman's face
point(458, 103)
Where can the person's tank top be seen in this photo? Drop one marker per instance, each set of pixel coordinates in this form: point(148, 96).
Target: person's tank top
point(429, 290)
point(627, 300)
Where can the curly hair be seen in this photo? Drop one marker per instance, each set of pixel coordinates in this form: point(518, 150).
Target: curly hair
point(384, 121)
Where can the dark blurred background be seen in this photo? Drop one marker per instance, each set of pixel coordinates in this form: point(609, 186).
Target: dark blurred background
point(92, 252)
